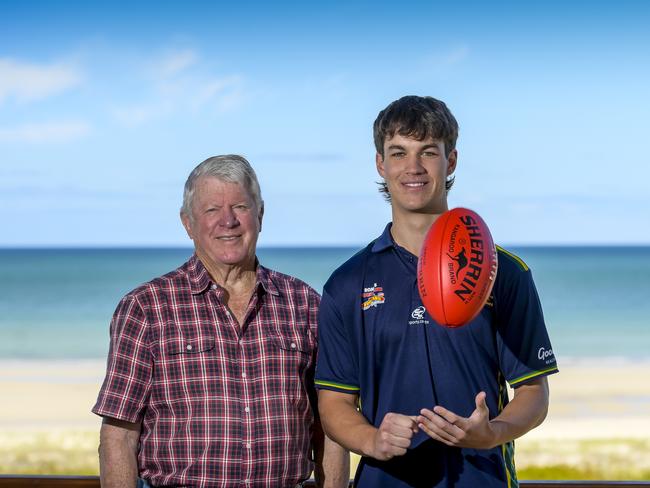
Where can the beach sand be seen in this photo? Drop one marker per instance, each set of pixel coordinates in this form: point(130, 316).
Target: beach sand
point(598, 422)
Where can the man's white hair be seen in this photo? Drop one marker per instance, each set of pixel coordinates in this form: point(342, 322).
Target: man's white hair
point(229, 167)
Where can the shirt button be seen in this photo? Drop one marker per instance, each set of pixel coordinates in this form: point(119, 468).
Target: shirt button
point(248, 445)
point(247, 410)
point(188, 347)
point(243, 375)
point(214, 287)
point(293, 345)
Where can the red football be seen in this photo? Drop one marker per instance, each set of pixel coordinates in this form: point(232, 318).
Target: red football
point(457, 267)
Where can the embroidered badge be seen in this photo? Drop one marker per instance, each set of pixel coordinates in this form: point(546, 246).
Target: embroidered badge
point(372, 296)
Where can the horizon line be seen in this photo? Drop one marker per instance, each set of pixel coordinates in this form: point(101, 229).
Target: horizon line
point(72, 247)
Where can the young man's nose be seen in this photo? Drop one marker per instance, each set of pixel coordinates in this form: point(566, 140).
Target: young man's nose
point(414, 164)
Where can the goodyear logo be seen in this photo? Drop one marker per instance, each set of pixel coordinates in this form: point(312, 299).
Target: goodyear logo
point(372, 296)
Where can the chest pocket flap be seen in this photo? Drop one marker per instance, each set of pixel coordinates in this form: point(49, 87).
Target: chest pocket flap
point(195, 345)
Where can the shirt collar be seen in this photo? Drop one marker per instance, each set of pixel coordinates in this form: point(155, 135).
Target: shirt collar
point(265, 280)
point(384, 241)
point(200, 279)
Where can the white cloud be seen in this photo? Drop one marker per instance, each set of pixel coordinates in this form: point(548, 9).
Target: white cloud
point(225, 92)
point(136, 115)
point(176, 62)
point(28, 82)
point(456, 55)
point(45, 132)
point(179, 84)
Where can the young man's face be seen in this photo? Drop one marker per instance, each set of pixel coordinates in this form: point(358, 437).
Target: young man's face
point(416, 173)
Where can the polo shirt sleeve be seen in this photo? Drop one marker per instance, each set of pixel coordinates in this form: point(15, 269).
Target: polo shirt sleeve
point(337, 366)
point(127, 384)
point(525, 350)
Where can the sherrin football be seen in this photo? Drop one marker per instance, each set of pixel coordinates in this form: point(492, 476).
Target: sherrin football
point(457, 267)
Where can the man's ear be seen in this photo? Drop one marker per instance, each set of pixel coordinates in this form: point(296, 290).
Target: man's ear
point(379, 161)
point(452, 159)
point(261, 215)
point(187, 223)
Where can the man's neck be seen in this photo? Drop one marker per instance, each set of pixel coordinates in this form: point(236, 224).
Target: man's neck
point(410, 229)
point(239, 278)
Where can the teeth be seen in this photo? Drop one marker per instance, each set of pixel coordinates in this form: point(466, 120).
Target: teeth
point(414, 185)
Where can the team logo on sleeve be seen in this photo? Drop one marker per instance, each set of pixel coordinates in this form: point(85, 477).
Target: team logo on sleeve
point(372, 296)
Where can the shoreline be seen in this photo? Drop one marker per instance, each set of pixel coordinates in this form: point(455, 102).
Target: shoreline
point(598, 424)
point(590, 397)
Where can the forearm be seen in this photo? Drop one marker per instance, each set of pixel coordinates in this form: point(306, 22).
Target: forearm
point(526, 411)
point(332, 463)
point(118, 464)
point(345, 424)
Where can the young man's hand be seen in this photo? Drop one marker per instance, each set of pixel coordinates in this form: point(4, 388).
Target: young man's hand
point(394, 436)
point(449, 428)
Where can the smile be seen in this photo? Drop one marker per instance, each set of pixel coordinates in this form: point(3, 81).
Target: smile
point(415, 184)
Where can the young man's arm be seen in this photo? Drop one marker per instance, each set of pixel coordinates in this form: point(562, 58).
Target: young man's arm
point(332, 462)
point(347, 426)
point(118, 453)
point(526, 411)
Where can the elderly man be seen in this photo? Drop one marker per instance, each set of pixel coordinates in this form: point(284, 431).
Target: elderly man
point(210, 371)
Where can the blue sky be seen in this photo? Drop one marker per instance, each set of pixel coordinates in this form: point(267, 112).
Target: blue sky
point(105, 109)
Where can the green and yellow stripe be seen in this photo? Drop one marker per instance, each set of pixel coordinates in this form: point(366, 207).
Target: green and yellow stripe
point(520, 262)
point(340, 386)
point(532, 375)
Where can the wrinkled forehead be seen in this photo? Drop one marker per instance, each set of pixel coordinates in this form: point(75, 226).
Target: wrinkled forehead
point(212, 187)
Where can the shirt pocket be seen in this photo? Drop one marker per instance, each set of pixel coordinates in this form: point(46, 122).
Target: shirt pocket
point(189, 346)
point(291, 358)
point(290, 343)
point(180, 372)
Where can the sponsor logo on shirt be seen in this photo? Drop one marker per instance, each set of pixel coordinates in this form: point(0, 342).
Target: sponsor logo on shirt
point(418, 316)
point(373, 296)
point(546, 355)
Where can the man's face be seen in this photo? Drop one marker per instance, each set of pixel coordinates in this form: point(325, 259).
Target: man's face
point(226, 223)
point(416, 172)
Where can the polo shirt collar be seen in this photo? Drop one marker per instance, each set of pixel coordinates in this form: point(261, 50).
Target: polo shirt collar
point(385, 240)
point(200, 279)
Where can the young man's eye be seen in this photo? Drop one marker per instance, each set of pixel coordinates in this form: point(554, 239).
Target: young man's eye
point(397, 154)
point(430, 154)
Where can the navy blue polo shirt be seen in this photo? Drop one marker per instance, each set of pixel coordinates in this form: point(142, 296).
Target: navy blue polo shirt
point(377, 341)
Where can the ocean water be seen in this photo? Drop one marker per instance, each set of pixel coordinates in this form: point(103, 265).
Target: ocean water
point(57, 303)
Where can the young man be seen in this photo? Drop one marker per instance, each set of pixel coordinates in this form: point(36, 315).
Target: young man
point(426, 405)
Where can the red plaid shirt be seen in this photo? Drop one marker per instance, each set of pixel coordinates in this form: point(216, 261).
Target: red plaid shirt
point(220, 405)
